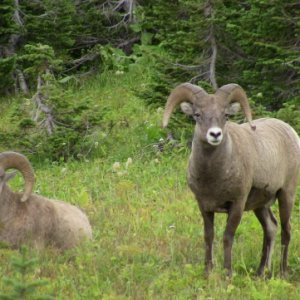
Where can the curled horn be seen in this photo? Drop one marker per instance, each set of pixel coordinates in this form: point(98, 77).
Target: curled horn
point(183, 92)
point(19, 162)
point(234, 93)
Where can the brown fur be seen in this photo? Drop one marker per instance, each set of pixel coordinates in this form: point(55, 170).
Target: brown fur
point(40, 222)
point(250, 168)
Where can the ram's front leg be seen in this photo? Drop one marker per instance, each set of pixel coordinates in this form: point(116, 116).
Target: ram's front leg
point(208, 220)
point(234, 217)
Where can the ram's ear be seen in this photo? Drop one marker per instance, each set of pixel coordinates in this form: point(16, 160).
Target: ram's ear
point(233, 108)
point(187, 108)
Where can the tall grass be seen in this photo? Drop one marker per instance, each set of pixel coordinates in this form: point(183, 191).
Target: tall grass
point(148, 240)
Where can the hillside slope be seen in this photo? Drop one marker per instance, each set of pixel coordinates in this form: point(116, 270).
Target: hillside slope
point(148, 241)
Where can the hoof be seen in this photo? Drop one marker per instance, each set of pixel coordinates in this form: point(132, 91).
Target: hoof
point(264, 273)
point(284, 274)
point(228, 274)
point(208, 269)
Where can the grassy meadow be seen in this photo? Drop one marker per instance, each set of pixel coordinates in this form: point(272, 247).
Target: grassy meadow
point(148, 240)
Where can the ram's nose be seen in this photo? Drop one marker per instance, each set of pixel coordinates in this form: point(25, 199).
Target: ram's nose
point(214, 136)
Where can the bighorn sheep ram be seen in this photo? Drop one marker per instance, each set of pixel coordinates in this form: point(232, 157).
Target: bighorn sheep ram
point(26, 218)
point(235, 167)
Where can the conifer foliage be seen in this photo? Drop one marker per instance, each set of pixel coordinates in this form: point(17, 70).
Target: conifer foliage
point(46, 44)
point(254, 43)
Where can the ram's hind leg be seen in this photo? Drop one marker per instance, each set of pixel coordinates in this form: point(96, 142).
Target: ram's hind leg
point(286, 201)
point(269, 225)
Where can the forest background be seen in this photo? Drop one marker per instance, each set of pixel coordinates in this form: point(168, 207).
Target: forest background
point(83, 83)
point(46, 45)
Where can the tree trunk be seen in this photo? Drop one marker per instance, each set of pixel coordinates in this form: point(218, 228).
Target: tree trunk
point(209, 13)
point(48, 122)
point(22, 82)
point(130, 6)
point(14, 39)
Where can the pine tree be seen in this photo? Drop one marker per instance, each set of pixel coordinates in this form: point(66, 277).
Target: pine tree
point(8, 35)
point(22, 287)
point(50, 23)
point(264, 47)
point(254, 43)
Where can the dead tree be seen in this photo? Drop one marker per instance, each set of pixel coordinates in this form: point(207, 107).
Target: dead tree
point(11, 48)
point(209, 13)
point(39, 99)
point(126, 7)
point(206, 70)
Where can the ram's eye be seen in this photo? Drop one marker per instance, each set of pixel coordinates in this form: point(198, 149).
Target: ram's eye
point(196, 115)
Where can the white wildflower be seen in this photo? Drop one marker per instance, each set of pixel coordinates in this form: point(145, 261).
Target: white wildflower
point(116, 166)
point(63, 170)
point(128, 162)
point(121, 173)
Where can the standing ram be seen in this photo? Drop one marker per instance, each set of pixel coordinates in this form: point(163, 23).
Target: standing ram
point(26, 218)
point(233, 168)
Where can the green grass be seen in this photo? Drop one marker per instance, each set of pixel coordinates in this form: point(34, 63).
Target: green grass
point(148, 240)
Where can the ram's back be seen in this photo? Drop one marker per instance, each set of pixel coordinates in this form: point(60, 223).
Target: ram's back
point(277, 153)
point(73, 225)
point(31, 222)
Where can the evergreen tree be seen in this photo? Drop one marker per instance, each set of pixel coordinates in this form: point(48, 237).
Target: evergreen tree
point(212, 42)
point(254, 43)
point(50, 23)
point(8, 33)
point(23, 287)
point(264, 47)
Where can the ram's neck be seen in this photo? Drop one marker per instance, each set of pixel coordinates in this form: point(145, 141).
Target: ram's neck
point(210, 161)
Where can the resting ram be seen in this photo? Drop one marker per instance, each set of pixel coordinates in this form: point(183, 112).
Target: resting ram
point(233, 168)
point(26, 218)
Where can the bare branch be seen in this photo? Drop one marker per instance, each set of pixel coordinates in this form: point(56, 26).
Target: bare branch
point(186, 67)
point(17, 18)
point(131, 6)
point(127, 6)
point(127, 44)
point(204, 75)
point(212, 67)
point(80, 61)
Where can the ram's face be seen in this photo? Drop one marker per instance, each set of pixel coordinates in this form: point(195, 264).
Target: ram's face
point(210, 116)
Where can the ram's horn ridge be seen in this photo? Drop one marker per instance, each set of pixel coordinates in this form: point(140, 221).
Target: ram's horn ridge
point(183, 92)
point(234, 93)
point(19, 162)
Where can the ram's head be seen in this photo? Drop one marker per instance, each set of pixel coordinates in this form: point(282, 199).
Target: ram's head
point(210, 111)
point(13, 160)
